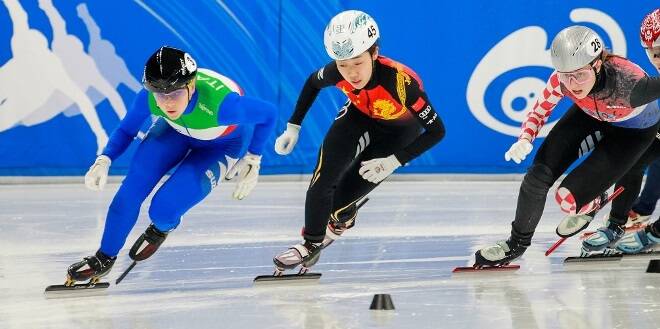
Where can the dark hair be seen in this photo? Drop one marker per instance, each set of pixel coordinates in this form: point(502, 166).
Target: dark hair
point(373, 48)
point(606, 55)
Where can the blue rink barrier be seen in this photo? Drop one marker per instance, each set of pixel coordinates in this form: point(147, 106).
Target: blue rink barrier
point(69, 69)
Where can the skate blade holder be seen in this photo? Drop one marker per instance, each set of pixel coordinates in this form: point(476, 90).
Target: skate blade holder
point(643, 256)
point(485, 269)
point(289, 278)
point(597, 262)
point(76, 290)
point(640, 258)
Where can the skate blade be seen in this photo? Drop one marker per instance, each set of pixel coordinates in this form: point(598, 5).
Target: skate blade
point(641, 256)
point(593, 258)
point(76, 290)
point(307, 277)
point(472, 269)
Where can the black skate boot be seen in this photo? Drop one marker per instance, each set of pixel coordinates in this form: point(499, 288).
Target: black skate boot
point(305, 253)
point(147, 244)
point(91, 268)
point(503, 252)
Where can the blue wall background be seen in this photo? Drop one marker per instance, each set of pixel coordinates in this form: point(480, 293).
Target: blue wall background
point(491, 53)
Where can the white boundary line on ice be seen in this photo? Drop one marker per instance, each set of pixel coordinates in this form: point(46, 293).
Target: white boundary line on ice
point(14, 180)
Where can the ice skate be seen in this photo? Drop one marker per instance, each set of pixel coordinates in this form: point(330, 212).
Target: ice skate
point(499, 255)
point(90, 269)
point(147, 244)
point(304, 254)
point(144, 247)
point(573, 224)
point(639, 241)
point(603, 240)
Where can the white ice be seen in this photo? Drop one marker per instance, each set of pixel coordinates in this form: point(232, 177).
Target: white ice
point(407, 240)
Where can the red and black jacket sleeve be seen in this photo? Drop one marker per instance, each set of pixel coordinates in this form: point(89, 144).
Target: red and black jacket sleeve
point(327, 76)
point(417, 102)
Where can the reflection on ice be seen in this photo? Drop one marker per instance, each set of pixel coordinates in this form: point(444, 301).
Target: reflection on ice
point(403, 246)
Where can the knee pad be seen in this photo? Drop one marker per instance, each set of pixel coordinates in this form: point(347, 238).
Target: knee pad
point(538, 180)
point(568, 204)
point(566, 200)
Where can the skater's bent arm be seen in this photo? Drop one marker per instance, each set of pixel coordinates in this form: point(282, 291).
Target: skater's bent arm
point(129, 126)
point(434, 130)
point(545, 103)
point(645, 91)
point(248, 110)
point(324, 77)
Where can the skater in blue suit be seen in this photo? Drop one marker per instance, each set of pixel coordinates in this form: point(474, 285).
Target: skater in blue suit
point(204, 123)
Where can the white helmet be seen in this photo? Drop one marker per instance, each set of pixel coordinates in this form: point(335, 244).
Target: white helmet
point(649, 32)
point(349, 34)
point(575, 47)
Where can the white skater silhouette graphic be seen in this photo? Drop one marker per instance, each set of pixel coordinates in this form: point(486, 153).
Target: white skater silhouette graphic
point(111, 65)
point(33, 75)
point(84, 72)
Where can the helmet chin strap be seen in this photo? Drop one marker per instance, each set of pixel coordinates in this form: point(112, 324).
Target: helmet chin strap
point(189, 93)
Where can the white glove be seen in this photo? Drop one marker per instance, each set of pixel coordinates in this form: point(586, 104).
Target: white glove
point(285, 143)
point(518, 151)
point(375, 170)
point(247, 170)
point(97, 175)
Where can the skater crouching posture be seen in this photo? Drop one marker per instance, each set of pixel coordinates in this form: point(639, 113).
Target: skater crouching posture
point(621, 213)
point(378, 130)
point(202, 129)
point(610, 94)
point(649, 237)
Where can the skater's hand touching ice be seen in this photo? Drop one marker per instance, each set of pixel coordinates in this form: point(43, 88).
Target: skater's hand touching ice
point(518, 151)
point(247, 170)
point(97, 175)
point(375, 170)
point(285, 143)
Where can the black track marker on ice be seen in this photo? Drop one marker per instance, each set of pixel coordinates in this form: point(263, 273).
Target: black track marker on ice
point(121, 277)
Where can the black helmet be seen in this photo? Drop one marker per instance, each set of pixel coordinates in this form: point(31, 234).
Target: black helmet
point(168, 69)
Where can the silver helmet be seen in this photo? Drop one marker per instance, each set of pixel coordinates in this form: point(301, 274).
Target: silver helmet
point(575, 47)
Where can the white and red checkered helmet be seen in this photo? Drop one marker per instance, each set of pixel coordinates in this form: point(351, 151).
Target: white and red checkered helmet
point(349, 34)
point(649, 32)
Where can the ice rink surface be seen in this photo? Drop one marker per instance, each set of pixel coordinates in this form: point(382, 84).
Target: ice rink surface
point(407, 240)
